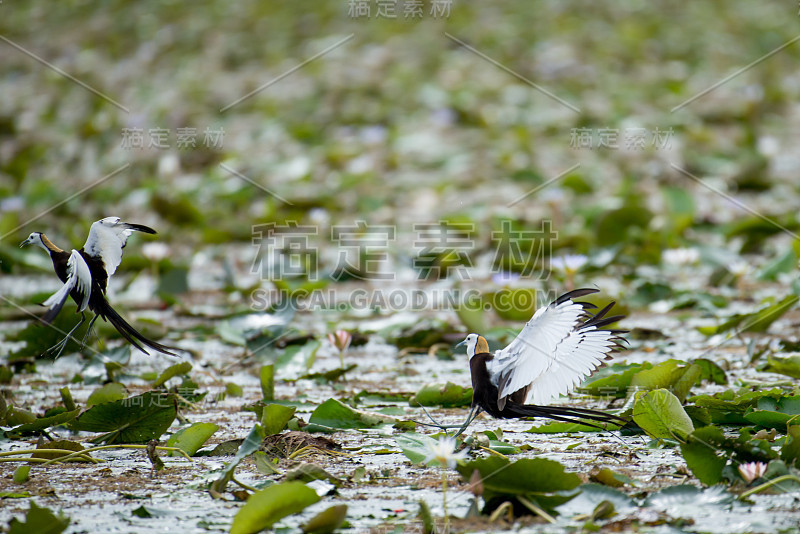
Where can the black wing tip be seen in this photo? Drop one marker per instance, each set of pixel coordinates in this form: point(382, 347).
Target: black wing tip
point(575, 293)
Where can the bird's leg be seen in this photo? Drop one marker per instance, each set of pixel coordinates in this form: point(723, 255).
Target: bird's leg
point(470, 418)
point(88, 333)
point(61, 345)
point(436, 424)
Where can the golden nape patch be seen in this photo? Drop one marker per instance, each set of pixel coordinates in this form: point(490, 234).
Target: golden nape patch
point(481, 347)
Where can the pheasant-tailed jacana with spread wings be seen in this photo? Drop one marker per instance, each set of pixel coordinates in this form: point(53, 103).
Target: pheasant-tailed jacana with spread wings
point(560, 346)
point(85, 274)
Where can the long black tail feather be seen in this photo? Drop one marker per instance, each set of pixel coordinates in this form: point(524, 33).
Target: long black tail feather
point(564, 414)
point(131, 335)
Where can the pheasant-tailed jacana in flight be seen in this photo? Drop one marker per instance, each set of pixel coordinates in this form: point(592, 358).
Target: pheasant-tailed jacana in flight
point(560, 346)
point(85, 274)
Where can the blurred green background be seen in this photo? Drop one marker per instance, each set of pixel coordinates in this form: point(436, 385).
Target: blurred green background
point(408, 120)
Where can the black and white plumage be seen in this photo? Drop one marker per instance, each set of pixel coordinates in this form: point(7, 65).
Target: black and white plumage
point(85, 274)
point(562, 344)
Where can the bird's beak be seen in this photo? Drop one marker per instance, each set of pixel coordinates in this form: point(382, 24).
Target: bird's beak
point(462, 343)
point(25, 243)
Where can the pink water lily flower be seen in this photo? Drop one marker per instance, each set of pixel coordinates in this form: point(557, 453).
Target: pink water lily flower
point(752, 470)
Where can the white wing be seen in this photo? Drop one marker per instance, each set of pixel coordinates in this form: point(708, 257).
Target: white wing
point(78, 277)
point(107, 238)
point(553, 353)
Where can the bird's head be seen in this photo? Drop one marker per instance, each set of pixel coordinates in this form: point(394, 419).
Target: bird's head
point(475, 345)
point(34, 239)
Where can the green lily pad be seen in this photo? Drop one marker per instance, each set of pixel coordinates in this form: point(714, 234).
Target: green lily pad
point(42, 423)
point(333, 415)
point(250, 445)
point(790, 450)
point(39, 520)
point(327, 521)
point(671, 374)
point(275, 416)
point(502, 477)
point(660, 414)
point(754, 322)
point(136, 419)
point(182, 368)
point(592, 495)
point(268, 506)
point(789, 366)
point(702, 456)
point(113, 391)
point(613, 381)
point(191, 438)
point(437, 394)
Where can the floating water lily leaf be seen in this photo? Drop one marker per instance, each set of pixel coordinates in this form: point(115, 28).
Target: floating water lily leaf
point(559, 427)
point(710, 371)
point(437, 394)
point(182, 368)
point(191, 438)
point(613, 381)
point(275, 416)
point(333, 415)
point(327, 376)
point(754, 322)
point(19, 416)
point(136, 419)
point(40, 521)
point(308, 472)
point(701, 455)
point(790, 450)
point(42, 423)
point(250, 445)
point(685, 500)
point(110, 392)
point(774, 413)
point(267, 379)
point(327, 521)
point(660, 414)
point(21, 474)
point(671, 374)
point(264, 508)
point(610, 478)
point(789, 366)
point(592, 495)
point(501, 477)
point(728, 408)
point(415, 446)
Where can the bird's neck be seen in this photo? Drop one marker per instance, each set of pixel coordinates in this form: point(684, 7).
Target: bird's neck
point(48, 245)
point(481, 347)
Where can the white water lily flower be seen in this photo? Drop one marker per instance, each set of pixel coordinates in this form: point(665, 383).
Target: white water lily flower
point(570, 263)
point(680, 256)
point(155, 251)
point(444, 452)
point(752, 470)
point(738, 268)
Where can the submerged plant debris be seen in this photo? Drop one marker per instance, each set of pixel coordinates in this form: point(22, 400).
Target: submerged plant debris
point(341, 193)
